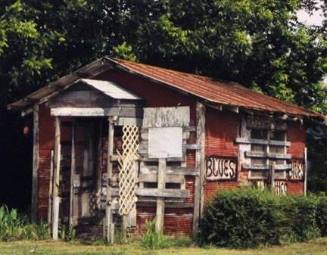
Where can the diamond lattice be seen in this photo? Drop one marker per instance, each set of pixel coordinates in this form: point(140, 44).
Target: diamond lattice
point(127, 171)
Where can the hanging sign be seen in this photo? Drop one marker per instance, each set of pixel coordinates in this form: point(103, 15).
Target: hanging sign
point(218, 168)
point(280, 187)
point(297, 171)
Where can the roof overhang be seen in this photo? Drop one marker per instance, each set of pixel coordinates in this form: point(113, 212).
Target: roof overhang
point(43, 94)
point(104, 64)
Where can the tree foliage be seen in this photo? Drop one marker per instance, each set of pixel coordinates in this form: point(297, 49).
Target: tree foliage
point(258, 43)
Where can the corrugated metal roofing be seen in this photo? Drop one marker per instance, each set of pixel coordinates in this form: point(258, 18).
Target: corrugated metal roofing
point(225, 93)
point(110, 89)
point(212, 91)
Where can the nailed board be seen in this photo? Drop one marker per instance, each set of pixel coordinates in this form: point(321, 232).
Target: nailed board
point(165, 142)
point(166, 117)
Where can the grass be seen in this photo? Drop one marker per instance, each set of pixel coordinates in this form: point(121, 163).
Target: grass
point(314, 247)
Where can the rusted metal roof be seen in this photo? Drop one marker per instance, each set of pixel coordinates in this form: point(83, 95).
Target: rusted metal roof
point(211, 91)
point(216, 92)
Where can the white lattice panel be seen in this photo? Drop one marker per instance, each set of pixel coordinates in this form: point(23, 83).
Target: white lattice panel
point(127, 170)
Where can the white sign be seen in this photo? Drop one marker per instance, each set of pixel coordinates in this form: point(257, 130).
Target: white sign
point(221, 168)
point(165, 142)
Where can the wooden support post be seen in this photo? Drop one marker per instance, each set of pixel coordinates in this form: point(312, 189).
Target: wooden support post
point(200, 166)
point(56, 181)
point(109, 226)
point(306, 168)
point(72, 174)
point(272, 176)
point(35, 162)
point(161, 200)
point(50, 188)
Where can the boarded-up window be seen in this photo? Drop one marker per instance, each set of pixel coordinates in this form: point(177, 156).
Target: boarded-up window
point(165, 142)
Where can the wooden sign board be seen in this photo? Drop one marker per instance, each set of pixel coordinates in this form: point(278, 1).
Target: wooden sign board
point(297, 171)
point(166, 117)
point(219, 168)
point(165, 142)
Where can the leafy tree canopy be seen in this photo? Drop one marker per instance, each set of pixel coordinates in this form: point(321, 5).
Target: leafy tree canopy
point(259, 43)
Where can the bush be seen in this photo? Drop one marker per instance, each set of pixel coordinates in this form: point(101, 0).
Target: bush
point(242, 218)
point(301, 212)
point(16, 227)
point(322, 214)
point(248, 217)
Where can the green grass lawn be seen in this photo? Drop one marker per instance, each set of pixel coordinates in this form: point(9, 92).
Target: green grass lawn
point(314, 247)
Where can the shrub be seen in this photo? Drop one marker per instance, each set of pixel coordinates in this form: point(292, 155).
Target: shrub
point(16, 227)
point(322, 214)
point(242, 218)
point(248, 217)
point(301, 212)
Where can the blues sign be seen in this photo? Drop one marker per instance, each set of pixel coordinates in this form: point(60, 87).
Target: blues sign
point(218, 168)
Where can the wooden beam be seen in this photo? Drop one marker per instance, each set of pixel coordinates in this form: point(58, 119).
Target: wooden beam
point(35, 162)
point(306, 168)
point(50, 201)
point(272, 176)
point(162, 193)
point(56, 183)
point(153, 177)
point(109, 226)
point(160, 213)
point(72, 174)
point(130, 112)
point(200, 166)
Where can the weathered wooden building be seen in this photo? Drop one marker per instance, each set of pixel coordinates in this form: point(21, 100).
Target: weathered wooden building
point(117, 143)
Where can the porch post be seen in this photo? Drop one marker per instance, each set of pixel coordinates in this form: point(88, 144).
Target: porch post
point(200, 166)
point(35, 162)
point(109, 226)
point(56, 180)
point(306, 168)
point(72, 174)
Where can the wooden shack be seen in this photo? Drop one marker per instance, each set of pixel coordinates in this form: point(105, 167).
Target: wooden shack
point(117, 143)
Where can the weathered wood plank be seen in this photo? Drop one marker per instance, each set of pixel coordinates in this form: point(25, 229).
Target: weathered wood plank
point(254, 154)
point(160, 212)
point(176, 170)
point(97, 111)
point(153, 177)
point(262, 141)
point(51, 181)
point(109, 220)
point(56, 198)
point(200, 165)
point(305, 171)
point(35, 161)
point(266, 167)
point(166, 116)
point(171, 205)
point(169, 193)
point(72, 173)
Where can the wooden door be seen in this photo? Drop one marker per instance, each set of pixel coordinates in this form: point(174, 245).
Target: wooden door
point(83, 174)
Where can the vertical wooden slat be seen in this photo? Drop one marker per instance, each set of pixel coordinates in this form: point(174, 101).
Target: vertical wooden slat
point(161, 200)
point(305, 184)
point(272, 176)
point(200, 165)
point(109, 231)
point(35, 162)
point(50, 188)
point(72, 173)
point(56, 198)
